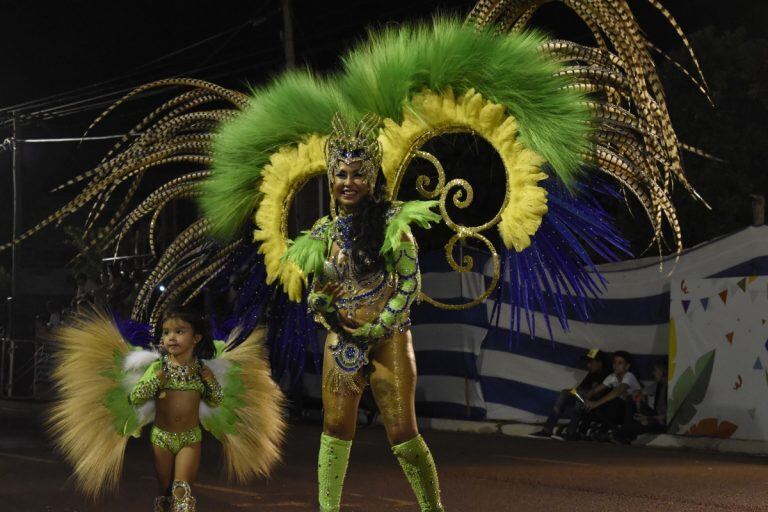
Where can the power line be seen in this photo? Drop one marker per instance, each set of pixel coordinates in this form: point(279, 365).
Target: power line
point(73, 93)
point(109, 98)
point(74, 139)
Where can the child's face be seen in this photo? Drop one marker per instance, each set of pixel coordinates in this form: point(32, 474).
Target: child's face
point(179, 337)
point(594, 365)
point(620, 365)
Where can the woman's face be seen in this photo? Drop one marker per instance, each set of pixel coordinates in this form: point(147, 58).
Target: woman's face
point(349, 186)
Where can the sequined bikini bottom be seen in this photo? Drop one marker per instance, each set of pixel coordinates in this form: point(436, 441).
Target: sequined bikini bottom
point(175, 441)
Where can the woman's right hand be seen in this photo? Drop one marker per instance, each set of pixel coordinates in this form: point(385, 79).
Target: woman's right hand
point(332, 290)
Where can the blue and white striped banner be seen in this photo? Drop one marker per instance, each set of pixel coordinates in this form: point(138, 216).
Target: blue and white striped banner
point(472, 368)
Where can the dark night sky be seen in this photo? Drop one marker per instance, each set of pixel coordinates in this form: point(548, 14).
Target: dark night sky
point(51, 47)
point(54, 47)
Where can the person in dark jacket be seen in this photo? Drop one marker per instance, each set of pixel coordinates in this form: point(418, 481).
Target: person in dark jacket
point(597, 371)
point(651, 416)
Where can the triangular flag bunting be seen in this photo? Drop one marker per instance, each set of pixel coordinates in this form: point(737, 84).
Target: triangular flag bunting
point(743, 284)
point(705, 303)
point(729, 337)
point(686, 304)
point(751, 279)
point(723, 296)
point(751, 413)
point(758, 364)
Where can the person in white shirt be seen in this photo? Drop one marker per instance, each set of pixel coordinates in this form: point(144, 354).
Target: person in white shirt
point(609, 403)
point(620, 384)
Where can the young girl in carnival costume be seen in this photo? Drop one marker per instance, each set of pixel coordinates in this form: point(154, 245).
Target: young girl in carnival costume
point(110, 389)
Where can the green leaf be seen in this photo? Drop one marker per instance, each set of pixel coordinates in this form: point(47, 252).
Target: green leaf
point(689, 391)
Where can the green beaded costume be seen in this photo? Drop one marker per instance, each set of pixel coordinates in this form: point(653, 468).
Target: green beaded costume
point(107, 389)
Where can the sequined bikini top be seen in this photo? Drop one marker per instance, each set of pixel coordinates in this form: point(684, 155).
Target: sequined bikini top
point(182, 378)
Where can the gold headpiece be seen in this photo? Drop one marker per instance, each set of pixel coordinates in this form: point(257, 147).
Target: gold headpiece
point(354, 144)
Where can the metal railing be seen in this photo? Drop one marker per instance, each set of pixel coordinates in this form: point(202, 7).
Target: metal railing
point(25, 368)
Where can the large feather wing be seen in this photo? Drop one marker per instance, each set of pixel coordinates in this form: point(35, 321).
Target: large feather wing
point(249, 423)
point(92, 419)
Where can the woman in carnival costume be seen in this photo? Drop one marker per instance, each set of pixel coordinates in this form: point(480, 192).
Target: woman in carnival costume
point(556, 112)
point(364, 264)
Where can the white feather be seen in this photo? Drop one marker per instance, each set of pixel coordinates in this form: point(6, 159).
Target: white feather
point(138, 360)
point(206, 410)
point(233, 334)
point(146, 412)
point(219, 367)
point(135, 364)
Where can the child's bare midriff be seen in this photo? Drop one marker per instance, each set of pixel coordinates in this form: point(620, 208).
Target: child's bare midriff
point(176, 410)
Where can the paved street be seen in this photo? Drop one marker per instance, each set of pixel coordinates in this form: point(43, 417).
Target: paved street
point(478, 473)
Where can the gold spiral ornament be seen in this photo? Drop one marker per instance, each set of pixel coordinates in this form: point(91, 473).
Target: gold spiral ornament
point(431, 115)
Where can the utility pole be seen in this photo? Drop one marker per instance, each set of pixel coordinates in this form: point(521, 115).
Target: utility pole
point(6, 383)
point(15, 226)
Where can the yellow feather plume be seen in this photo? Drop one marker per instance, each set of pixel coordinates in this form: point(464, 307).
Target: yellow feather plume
point(81, 425)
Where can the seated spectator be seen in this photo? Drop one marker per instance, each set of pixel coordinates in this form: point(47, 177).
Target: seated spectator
point(118, 291)
point(86, 288)
point(651, 417)
point(608, 404)
point(100, 292)
point(66, 316)
point(597, 371)
point(54, 315)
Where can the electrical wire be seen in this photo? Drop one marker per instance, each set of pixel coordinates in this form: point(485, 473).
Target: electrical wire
point(73, 93)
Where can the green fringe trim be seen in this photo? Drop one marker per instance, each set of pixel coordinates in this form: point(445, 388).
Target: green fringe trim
point(294, 106)
point(219, 347)
point(126, 421)
point(307, 253)
point(382, 73)
point(224, 419)
point(412, 212)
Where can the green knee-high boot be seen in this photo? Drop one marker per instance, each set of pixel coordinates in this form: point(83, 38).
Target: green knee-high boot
point(419, 467)
point(331, 469)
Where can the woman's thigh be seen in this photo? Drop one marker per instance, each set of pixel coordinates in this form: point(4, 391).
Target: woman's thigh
point(393, 382)
point(339, 408)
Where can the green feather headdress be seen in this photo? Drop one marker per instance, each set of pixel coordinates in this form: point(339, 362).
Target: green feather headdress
point(381, 76)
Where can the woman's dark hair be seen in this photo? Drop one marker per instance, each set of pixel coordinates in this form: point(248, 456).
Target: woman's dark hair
point(368, 226)
point(204, 348)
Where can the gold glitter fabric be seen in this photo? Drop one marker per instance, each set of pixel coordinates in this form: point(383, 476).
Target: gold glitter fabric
point(147, 387)
point(175, 441)
point(177, 377)
point(393, 383)
point(213, 393)
point(162, 504)
point(419, 467)
point(182, 377)
point(379, 303)
point(182, 499)
point(331, 469)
